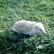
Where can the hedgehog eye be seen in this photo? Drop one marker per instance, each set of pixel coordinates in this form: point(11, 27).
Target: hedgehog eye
point(40, 30)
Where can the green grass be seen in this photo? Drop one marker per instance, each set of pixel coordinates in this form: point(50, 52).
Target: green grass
point(35, 10)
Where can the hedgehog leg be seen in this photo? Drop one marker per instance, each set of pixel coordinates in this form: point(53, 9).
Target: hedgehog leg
point(25, 35)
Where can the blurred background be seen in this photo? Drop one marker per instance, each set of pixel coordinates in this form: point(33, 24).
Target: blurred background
point(33, 10)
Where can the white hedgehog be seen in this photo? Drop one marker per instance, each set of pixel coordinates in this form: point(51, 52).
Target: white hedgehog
point(28, 27)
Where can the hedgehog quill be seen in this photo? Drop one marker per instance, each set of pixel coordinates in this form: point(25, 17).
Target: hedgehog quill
point(28, 27)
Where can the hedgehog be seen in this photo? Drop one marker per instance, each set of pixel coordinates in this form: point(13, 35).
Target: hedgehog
point(28, 27)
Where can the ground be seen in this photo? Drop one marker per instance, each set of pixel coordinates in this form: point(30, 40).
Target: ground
point(34, 10)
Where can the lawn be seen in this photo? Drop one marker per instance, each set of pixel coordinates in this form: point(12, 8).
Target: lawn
point(34, 10)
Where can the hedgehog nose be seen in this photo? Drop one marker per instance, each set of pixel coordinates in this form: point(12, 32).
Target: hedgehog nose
point(45, 32)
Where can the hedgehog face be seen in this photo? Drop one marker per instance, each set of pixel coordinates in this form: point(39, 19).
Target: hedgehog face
point(40, 28)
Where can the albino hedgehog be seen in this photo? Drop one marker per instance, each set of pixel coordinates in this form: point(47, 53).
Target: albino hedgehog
point(28, 27)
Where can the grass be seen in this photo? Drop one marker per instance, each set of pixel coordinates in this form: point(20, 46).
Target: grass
point(35, 10)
